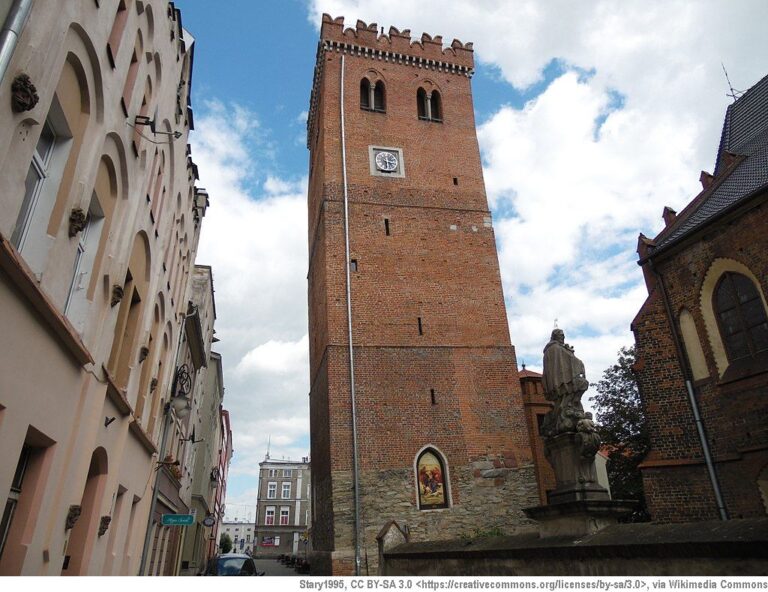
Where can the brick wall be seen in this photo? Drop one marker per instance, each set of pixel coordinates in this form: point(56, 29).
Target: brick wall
point(734, 413)
point(428, 313)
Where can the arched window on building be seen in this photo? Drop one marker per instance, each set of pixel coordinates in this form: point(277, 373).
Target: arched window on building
point(435, 107)
point(741, 317)
point(422, 104)
point(373, 96)
point(429, 105)
point(132, 296)
point(379, 97)
point(365, 94)
point(431, 480)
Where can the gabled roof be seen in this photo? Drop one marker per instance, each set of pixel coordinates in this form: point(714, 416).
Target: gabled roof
point(745, 136)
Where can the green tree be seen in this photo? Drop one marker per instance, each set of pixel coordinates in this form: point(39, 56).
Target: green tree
point(623, 430)
point(225, 543)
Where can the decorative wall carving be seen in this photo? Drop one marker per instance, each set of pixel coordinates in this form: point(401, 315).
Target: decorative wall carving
point(77, 219)
point(72, 516)
point(23, 94)
point(117, 295)
point(104, 524)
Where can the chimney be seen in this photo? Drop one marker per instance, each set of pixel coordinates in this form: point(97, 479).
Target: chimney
point(669, 215)
point(706, 180)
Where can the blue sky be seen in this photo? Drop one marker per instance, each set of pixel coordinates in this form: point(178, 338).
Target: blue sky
point(591, 116)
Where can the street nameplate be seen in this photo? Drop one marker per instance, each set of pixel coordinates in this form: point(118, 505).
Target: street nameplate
point(178, 519)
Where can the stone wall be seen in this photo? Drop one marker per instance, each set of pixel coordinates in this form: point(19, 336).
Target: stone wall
point(492, 499)
point(715, 548)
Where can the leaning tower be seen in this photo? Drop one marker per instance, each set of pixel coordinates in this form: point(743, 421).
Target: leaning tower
point(421, 420)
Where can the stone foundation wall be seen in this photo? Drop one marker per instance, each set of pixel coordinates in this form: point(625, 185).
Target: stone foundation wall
point(713, 548)
point(491, 497)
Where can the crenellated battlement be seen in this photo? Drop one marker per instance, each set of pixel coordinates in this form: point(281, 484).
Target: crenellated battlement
point(398, 45)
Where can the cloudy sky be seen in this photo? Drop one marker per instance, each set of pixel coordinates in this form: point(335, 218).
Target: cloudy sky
point(592, 116)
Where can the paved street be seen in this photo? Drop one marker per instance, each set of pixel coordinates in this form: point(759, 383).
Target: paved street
point(272, 567)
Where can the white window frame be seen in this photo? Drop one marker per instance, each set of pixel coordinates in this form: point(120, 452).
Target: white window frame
point(30, 235)
point(39, 165)
point(285, 515)
point(272, 490)
point(285, 490)
point(85, 256)
point(269, 513)
point(287, 472)
point(273, 472)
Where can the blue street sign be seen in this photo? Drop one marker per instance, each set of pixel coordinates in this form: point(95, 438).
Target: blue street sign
point(178, 519)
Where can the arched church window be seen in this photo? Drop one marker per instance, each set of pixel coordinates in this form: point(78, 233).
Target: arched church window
point(431, 480)
point(741, 316)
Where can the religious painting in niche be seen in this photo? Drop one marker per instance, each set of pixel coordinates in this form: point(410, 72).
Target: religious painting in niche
point(431, 479)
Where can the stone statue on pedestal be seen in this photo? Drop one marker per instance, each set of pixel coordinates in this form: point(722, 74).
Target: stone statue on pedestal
point(570, 437)
point(579, 504)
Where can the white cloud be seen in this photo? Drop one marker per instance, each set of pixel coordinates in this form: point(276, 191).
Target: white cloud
point(254, 237)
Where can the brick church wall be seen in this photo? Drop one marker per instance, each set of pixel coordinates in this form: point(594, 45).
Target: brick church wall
point(734, 412)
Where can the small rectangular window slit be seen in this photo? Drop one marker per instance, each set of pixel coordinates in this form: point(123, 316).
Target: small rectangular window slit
point(421, 329)
point(455, 180)
point(432, 394)
point(386, 226)
point(353, 264)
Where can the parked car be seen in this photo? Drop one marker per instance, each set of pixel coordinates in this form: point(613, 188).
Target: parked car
point(232, 564)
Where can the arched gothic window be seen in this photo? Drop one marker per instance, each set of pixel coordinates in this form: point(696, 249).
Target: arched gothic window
point(422, 103)
point(365, 94)
point(431, 480)
point(435, 106)
point(741, 317)
point(379, 97)
point(429, 105)
point(373, 96)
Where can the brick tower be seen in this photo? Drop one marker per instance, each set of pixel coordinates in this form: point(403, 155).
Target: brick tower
point(434, 436)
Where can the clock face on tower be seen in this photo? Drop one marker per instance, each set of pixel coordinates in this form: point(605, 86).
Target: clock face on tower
point(386, 161)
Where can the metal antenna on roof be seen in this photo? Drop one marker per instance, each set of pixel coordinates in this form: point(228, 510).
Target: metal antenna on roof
point(734, 94)
point(269, 443)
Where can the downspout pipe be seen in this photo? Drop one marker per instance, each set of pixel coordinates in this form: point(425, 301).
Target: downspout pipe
point(355, 467)
point(722, 510)
point(11, 31)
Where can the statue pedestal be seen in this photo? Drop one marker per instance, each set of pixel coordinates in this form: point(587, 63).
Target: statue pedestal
point(578, 505)
point(576, 477)
point(578, 518)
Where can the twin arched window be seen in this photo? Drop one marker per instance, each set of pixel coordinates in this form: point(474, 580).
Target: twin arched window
point(429, 106)
point(741, 317)
point(372, 96)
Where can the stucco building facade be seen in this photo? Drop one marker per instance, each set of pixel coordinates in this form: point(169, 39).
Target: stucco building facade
point(99, 225)
point(284, 508)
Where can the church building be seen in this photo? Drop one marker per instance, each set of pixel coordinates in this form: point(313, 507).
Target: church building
point(702, 335)
point(416, 408)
